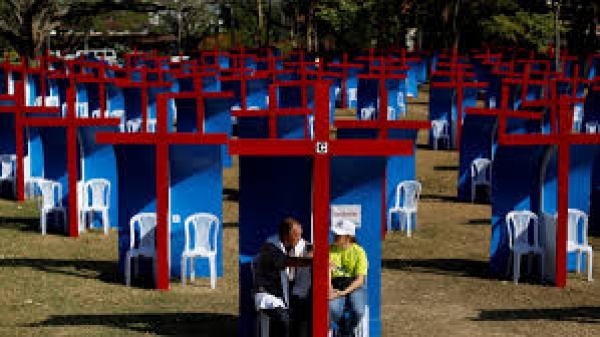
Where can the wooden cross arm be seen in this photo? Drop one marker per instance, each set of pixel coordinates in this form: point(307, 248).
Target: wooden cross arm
point(382, 76)
point(345, 65)
point(279, 112)
point(147, 138)
point(343, 147)
point(376, 124)
point(123, 83)
point(455, 84)
point(30, 109)
point(521, 114)
point(56, 122)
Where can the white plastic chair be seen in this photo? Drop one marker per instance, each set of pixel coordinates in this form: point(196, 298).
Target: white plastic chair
point(401, 100)
point(591, 127)
point(577, 117)
point(368, 113)
point(50, 201)
point(391, 112)
point(517, 225)
point(579, 246)
point(206, 228)
point(96, 198)
point(481, 174)
point(151, 125)
point(32, 187)
point(352, 96)
point(311, 126)
point(409, 192)
point(146, 223)
point(134, 125)
point(439, 129)
point(8, 171)
point(82, 109)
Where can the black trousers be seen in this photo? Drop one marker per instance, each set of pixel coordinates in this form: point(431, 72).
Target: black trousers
point(280, 322)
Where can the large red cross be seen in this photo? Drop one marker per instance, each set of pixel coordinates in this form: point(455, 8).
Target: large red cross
point(322, 148)
point(161, 140)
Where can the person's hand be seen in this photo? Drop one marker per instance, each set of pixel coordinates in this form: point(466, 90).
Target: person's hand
point(334, 293)
point(332, 266)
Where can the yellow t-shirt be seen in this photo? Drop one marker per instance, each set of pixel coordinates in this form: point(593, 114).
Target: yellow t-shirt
point(351, 261)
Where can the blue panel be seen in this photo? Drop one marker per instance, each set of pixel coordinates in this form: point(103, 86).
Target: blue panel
point(368, 93)
point(196, 186)
point(513, 188)
point(411, 80)
point(270, 190)
point(137, 191)
point(477, 142)
point(35, 150)
point(440, 106)
point(360, 181)
point(100, 162)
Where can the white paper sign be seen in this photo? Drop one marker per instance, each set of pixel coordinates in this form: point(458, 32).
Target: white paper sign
point(346, 212)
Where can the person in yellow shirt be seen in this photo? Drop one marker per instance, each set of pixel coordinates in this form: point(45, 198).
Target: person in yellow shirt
point(348, 271)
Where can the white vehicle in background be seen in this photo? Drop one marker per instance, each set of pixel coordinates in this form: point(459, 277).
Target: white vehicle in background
point(108, 55)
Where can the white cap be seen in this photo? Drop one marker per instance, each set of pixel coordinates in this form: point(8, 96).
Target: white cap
point(344, 227)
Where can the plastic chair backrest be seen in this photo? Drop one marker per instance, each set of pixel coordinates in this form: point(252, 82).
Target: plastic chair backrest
point(117, 113)
point(577, 217)
point(439, 128)
point(367, 113)
point(400, 99)
point(577, 113)
point(100, 192)
point(204, 224)
point(82, 109)
point(390, 113)
point(147, 230)
point(409, 192)
point(352, 94)
point(519, 233)
point(481, 170)
point(591, 127)
point(51, 192)
point(7, 165)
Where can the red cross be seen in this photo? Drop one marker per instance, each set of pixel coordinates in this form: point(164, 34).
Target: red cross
point(161, 139)
point(321, 149)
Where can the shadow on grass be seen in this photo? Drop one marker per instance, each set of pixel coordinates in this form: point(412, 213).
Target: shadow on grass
point(447, 198)
point(163, 324)
point(231, 194)
point(480, 222)
point(106, 271)
point(582, 314)
point(445, 168)
point(451, 267)
point(230, 225)
point(29, 224)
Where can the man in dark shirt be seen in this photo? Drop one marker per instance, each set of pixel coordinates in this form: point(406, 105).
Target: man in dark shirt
point(280, 278)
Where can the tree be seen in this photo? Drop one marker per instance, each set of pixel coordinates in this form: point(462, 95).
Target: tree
point(25, 24)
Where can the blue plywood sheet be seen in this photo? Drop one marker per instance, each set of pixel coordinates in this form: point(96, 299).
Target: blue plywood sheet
point(512, 189)
point(196, 187)
point(478, 140)
point(270, 190)
point(359, 181)
point(100, 161)
point(137, 191)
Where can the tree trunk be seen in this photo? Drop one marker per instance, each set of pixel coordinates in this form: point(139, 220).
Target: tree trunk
point(260, 22)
